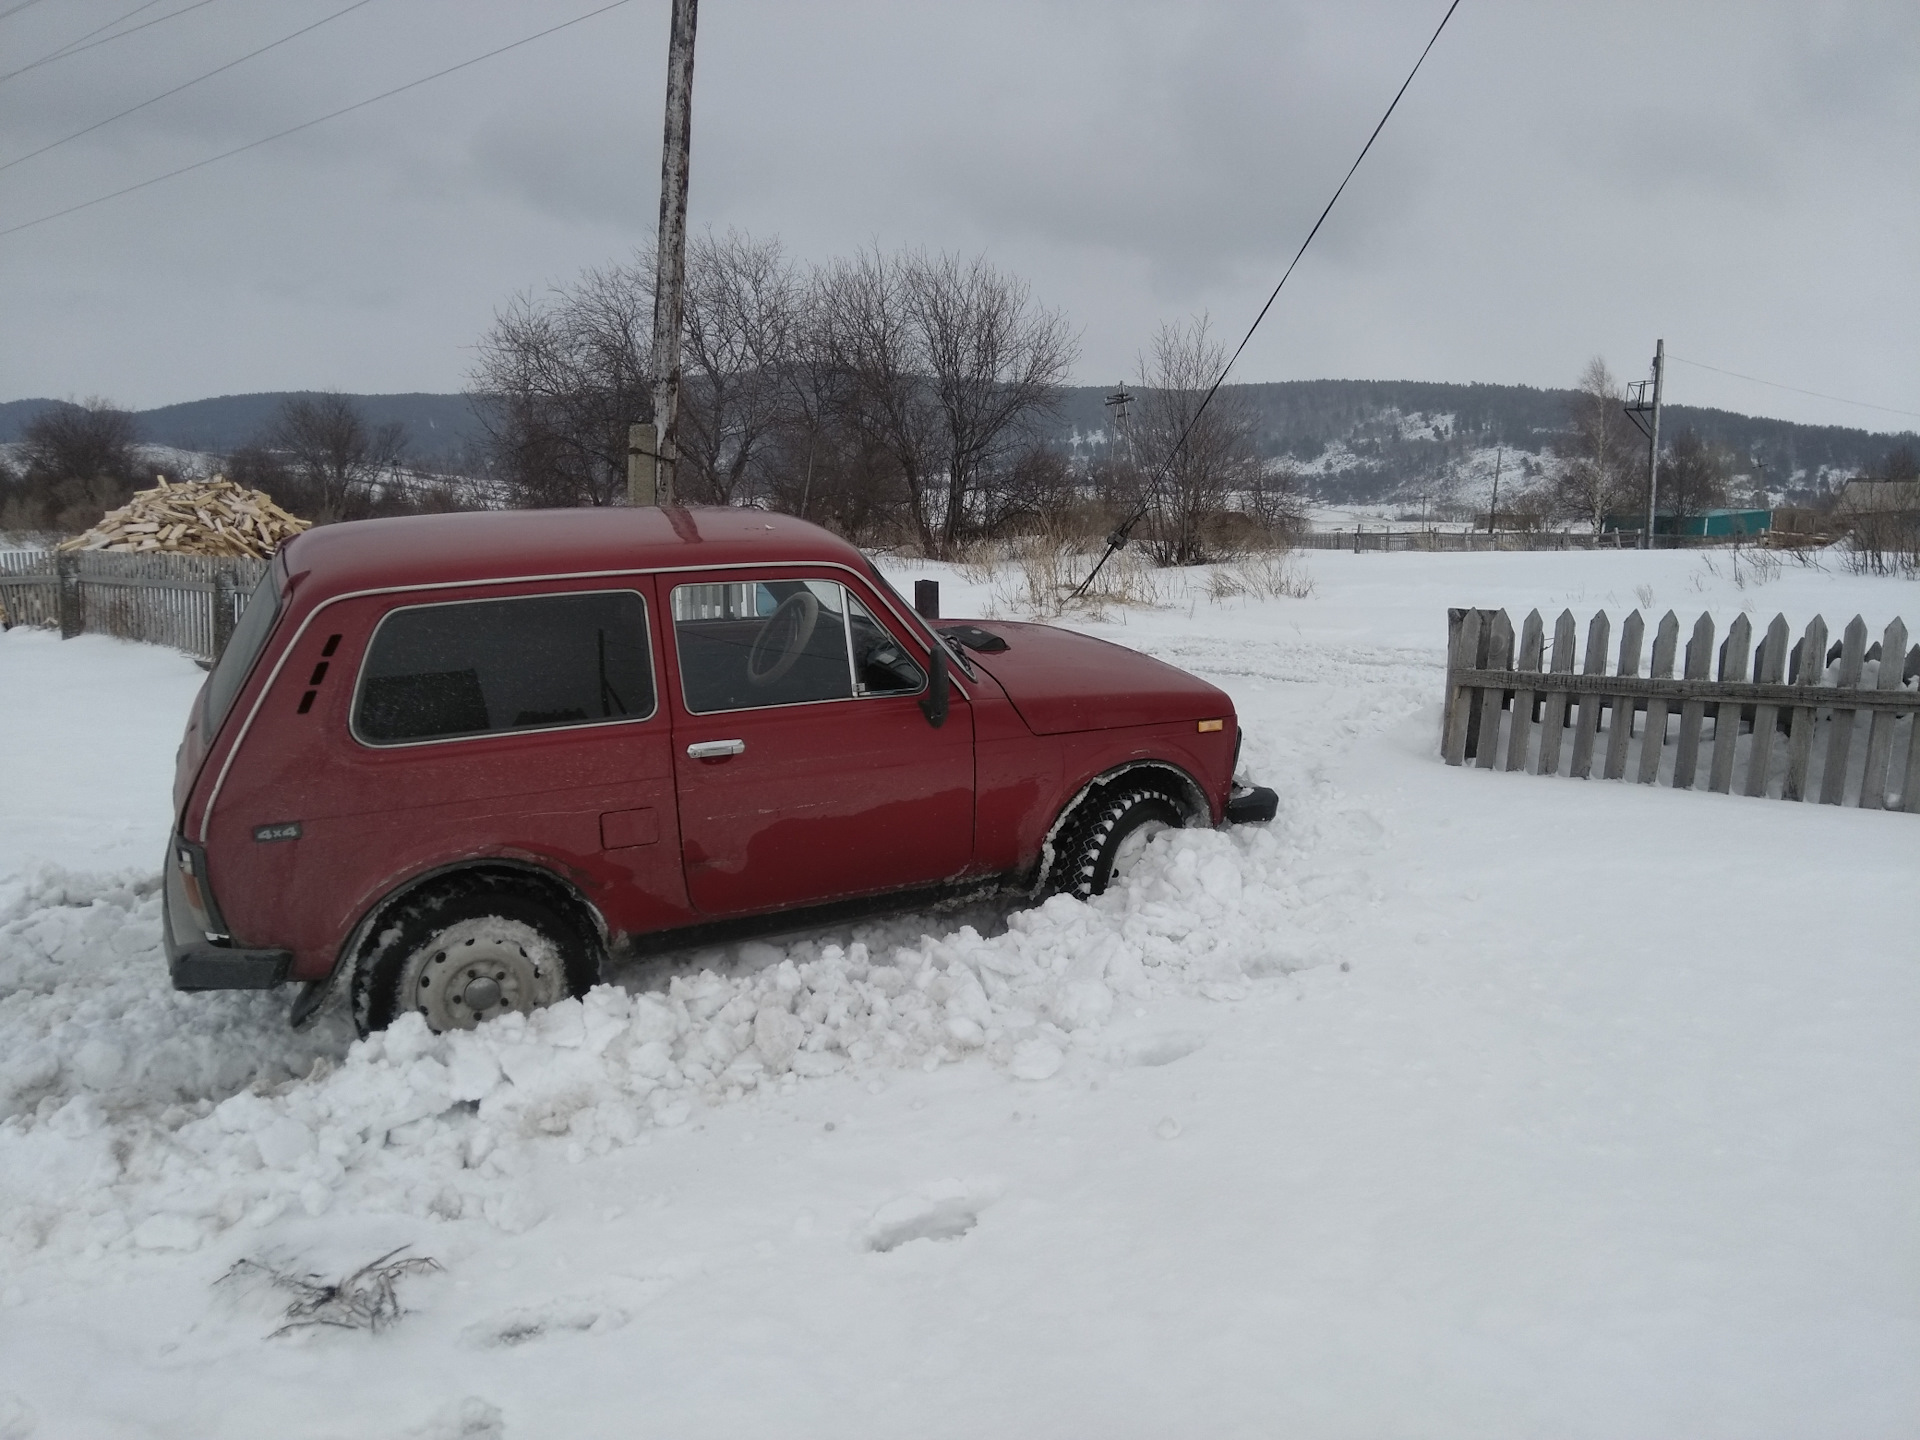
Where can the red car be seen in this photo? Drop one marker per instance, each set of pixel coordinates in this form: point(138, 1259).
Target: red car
point(457, 760)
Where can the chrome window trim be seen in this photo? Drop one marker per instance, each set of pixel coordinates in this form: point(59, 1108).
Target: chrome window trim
point(625, 572)
point(366, 654)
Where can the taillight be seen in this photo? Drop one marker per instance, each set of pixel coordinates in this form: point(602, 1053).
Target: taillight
point(191, 864)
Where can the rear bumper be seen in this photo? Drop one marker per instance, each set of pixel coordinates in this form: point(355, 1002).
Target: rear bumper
point(1252, 805)
point(197, 964)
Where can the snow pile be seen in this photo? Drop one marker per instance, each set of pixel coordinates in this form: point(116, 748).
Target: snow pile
point(112, 1139)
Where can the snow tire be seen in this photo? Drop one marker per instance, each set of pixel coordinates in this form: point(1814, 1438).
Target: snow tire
point(1091, 840)
point(541, 953)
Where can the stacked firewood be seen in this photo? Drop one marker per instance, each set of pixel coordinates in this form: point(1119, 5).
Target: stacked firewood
point(194, 517)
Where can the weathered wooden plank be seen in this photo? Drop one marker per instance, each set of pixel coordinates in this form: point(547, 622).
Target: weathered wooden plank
point(1853, 650)
point(1910, 788)
point(1813, 650)
point(1665, 641)
point(1553, 716)
point(1620, 726)
point(1873, 782)
point(1726, 716)
point(1532, 644)
point(1499, 657)
point(1711, 692)
point(1476, 660)
point(1769, 665)
point(1686, 755)
point(1465, 644)
point(1598, 633)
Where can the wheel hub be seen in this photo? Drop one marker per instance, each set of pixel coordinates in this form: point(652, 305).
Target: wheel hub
point(480, 969)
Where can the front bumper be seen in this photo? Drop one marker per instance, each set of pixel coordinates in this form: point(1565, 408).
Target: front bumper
point(1252, 805)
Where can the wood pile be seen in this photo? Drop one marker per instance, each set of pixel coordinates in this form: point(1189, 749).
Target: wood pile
point(194, 517)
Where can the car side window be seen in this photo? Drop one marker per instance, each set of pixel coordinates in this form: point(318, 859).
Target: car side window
point(481, 667)
point(748, 644)
point(881, 665)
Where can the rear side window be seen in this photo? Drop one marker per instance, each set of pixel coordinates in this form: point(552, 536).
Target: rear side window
point(481, 667)
point(249, 638)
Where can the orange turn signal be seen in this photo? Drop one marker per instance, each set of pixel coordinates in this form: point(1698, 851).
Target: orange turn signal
point(1207, 727)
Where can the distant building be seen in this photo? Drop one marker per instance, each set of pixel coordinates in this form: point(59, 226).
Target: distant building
point(1707, 523)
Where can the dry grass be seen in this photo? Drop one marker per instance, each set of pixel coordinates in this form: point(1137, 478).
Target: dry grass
point(365, 1300)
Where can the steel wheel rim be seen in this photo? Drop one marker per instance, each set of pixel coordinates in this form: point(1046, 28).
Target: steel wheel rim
point(479, 970)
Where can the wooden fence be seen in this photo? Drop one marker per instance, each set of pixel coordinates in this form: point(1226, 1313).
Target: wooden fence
point(187, 601)
point(1806, 722)
point(1385, 539)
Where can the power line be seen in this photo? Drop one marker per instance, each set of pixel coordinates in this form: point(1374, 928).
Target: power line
point(16, 9)
point(1776, 385)
point(87, 42)
point(309, 124)
point(1119, 536)
point(54, 145)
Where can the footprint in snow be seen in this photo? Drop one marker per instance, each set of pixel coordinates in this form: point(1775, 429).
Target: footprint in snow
point(579, 1316)
point(945, 1210)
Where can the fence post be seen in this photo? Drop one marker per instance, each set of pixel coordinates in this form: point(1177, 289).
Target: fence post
point(72, 599)
point(222, 609)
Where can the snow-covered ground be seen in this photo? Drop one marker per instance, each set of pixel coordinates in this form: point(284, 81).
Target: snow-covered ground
point(1451, 1104)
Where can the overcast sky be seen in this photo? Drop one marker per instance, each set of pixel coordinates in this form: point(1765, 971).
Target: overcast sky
point(1563, 180)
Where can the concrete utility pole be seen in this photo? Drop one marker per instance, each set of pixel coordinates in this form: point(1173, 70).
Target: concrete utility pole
point(1653, 450)
point(670, 277)
point(1493, 505)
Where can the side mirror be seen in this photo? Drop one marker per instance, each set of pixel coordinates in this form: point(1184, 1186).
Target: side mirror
point(933, 704)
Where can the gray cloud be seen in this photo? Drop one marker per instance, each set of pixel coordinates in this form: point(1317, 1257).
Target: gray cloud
point(1562, 180)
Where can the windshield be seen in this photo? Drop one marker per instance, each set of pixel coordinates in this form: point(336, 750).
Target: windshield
point(248, 640)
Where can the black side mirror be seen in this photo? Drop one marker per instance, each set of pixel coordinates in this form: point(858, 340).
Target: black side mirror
point(933, 704)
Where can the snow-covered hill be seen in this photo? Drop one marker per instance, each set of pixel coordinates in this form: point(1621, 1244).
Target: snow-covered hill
point(1452, 1103)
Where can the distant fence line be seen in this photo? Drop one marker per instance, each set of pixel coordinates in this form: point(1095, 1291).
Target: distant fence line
point(187, 601)
point(1386, 539)
point(1793, 730)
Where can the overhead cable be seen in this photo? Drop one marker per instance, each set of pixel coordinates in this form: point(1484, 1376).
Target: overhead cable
point(87, 42)
point(1776, 385)
point(1119, 536)
point(185, 85)
point(309, 124)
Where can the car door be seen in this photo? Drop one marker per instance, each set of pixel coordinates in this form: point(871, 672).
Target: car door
point(805, 767)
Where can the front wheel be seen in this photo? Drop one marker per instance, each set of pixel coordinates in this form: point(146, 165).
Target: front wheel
point(469, 953)
point(1108, 839)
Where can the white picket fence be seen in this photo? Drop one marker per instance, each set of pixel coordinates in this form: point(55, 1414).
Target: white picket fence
point(1805, 722)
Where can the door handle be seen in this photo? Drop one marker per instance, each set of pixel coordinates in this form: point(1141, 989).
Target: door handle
point(715, 749)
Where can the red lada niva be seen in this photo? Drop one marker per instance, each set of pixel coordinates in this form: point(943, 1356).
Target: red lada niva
point(455, 761)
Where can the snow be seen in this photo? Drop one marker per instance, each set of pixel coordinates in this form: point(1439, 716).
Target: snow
point(1452, 1103)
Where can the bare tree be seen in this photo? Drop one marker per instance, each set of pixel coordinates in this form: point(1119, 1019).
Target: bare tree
point(559, 380)
point(1599, 450)
point(78, 462)
point(1191, 461)
point(743, 308)
point(334, 458)
point(1694, 475)
point(947, 365)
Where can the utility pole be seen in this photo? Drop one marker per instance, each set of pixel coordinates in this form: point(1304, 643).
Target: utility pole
point(1639, 404)
point(670, 276)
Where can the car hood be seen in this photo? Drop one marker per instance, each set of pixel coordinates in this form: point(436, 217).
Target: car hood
point(1061, 681)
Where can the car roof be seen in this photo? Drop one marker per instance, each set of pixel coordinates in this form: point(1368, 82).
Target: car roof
point(483, 545)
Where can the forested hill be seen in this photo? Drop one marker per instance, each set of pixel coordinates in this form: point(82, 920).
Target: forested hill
point(1369, 438)
point(1357, 439)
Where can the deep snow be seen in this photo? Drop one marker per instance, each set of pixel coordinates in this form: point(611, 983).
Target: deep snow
point(1451, 1103)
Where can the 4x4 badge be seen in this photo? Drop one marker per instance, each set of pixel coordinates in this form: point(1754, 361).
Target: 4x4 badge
point(285, 830)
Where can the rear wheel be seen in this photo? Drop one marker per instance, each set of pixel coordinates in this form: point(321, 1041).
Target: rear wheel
point(1106, 839)
point(471, 951)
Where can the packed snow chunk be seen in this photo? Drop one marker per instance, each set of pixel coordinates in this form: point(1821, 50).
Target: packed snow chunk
point(1035, 1060)
point(1161, 1047)
point(468, 1419)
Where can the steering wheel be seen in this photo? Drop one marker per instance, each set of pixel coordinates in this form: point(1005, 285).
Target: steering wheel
point(783, 639)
